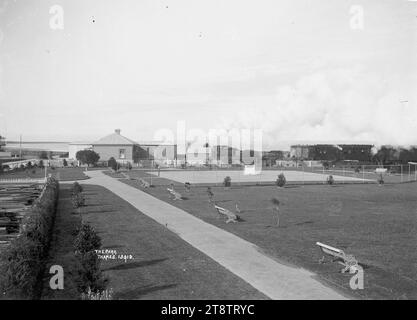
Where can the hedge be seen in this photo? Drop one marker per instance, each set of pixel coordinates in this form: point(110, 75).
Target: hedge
point(23, 261)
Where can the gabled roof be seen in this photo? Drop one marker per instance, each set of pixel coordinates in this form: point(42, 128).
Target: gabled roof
point(115, 139)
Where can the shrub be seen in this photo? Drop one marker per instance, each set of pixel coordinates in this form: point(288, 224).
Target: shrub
point(78, 200)
point(86, 239)
point(187, 186)
point(90, 277)
point(88, 157)
point(112, 163)
point(330, 180)
point(76, 188)
point(281, 181)
point(227, 182)
point(24, 260)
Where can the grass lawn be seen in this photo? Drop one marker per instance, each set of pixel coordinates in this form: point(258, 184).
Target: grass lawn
point(61, 174)
point(62, 248)
point(164, 266)
point(377, 224)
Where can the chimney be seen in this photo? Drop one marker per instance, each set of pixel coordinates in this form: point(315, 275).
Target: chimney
point(117, 131)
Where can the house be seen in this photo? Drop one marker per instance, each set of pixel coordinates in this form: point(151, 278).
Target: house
point(225, 155)
point(116, 146)
point(332, 152)
point(4, 155)
point(158, 152)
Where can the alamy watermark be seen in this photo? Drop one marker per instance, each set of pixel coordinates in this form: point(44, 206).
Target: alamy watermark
point(357, 18)
point(56, 21)
point(356, 281)
point(57, 280)
point(233, 146)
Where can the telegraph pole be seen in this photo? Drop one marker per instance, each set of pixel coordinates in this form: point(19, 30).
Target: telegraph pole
point(20, 148)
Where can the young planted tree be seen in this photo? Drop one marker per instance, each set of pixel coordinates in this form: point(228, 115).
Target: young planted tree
point(381, 180)
point(210, 194)
point(78, 200)
point(65, 163)
point(227, 182)
point(90, 275)
point(281, 181)
point(276, 210)
point(330, 180)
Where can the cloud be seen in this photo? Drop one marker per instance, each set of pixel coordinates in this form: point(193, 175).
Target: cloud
point(343, 104)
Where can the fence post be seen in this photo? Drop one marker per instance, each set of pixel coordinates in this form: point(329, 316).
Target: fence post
point(303, 175)
point(401, 166)
point(363, 174)
point(409, 172)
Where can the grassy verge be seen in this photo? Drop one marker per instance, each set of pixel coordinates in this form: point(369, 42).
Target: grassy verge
point(163, 265)
point(375, 224)
point(62, 249)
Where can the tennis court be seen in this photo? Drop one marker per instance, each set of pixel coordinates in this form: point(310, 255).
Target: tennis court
point(239, 176)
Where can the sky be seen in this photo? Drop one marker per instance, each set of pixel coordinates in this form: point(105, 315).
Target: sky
point(299, 70)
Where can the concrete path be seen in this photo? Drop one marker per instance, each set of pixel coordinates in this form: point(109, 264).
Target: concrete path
point(241, 257)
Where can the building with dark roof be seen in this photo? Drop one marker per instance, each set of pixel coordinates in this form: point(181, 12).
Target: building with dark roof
point(332, 152)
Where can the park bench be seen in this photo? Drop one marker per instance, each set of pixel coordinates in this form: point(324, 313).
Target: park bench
point(144, 184)
point(231, 217)
point(125, 175)
point(347, 260)
point(176, 195)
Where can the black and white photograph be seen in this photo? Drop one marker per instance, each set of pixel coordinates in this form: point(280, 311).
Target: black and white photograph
point(226, 152)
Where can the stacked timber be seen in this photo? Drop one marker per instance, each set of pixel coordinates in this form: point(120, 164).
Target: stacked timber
point(16, 201)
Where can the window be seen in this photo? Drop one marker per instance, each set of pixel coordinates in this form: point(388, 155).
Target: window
point(122, 153)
